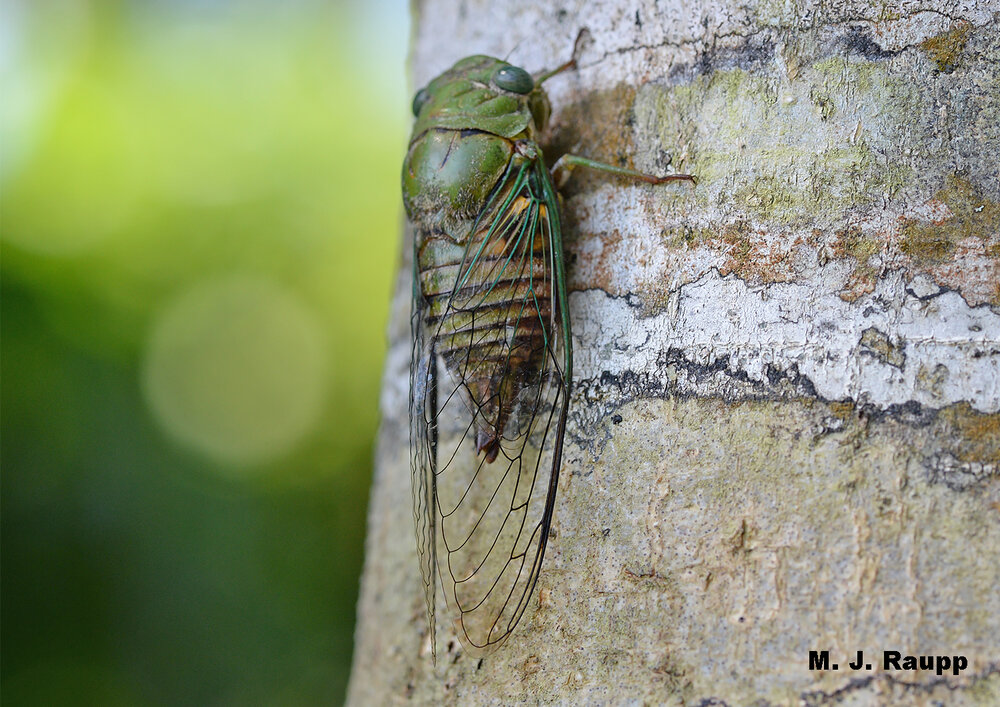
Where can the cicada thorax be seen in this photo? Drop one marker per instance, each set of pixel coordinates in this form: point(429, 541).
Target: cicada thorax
point(489, 303)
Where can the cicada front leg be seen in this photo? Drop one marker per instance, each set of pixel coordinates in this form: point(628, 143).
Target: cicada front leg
point(564, 166)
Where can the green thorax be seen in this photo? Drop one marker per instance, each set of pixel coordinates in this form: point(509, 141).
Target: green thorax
point(463, 142)
point(466, 97)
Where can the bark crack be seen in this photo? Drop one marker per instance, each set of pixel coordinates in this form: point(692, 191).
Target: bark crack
point(814, 698)
point(710, 40)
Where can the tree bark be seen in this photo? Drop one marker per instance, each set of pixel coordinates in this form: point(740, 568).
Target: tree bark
point(785, 424)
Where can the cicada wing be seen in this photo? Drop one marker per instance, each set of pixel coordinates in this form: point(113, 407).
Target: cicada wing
point(497, 369)
point(423, 449)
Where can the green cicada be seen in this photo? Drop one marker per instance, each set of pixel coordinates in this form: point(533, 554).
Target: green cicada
point(492, 357)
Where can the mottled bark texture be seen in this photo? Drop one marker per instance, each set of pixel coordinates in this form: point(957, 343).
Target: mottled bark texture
point(785, 427)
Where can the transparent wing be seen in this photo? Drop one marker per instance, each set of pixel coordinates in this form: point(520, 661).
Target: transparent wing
point(489, 397)
point(423, 447)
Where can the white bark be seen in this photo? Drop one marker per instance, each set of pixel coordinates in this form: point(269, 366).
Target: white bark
point(785, 428)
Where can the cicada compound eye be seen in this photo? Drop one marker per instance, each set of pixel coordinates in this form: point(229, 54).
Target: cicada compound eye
point(514, 79)
point(419, 100)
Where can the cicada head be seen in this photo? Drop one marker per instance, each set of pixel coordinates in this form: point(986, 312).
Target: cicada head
point(482, 93)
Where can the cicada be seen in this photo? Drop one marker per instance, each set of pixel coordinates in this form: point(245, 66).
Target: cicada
point(492, 359)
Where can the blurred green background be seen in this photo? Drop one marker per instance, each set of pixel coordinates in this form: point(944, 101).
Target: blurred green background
point(199, 225)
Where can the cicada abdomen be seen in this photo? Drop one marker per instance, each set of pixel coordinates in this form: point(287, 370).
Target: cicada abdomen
point(492, 355)
point(489, 304)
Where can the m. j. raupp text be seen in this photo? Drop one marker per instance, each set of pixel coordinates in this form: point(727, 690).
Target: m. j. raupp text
point(894, 660)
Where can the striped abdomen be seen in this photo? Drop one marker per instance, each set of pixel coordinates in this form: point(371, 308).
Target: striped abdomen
point(489, 306)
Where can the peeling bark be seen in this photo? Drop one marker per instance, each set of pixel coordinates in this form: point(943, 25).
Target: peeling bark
point(785, 427)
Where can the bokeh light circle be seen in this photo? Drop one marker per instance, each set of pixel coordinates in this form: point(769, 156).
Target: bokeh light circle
point(236, 368)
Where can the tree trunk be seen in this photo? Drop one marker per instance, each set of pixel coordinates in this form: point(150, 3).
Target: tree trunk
point(785, 424)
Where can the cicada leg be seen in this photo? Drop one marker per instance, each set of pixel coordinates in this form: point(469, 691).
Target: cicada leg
point(543, 76)
point(564, 165)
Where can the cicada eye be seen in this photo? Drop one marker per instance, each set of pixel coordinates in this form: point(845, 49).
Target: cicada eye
point(513, 78)
point(419, 100)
